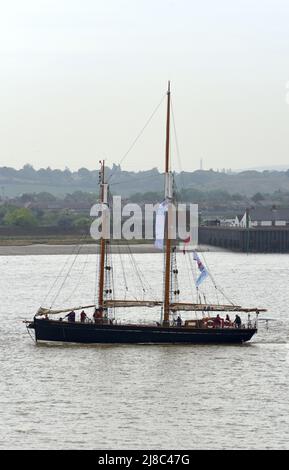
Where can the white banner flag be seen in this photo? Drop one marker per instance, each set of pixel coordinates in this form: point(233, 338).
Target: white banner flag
point(160, 224)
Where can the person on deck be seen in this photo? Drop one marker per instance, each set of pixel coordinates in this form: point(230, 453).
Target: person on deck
point(218, 322)
point(97, 316)
point(83, 316)
point(227, 321)
point(179, 321)
point(238, 322)
point(71, 316)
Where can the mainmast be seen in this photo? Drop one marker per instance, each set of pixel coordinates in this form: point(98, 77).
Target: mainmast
point(103, 200)
point(168, 196)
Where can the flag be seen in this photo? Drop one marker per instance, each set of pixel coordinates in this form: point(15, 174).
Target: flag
point(203, 272)
point(160, 225)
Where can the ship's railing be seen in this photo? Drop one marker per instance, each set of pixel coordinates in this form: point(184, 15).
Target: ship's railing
point(214, 322)
point(207, 322)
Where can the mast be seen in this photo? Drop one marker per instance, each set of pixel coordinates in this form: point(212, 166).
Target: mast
point(102, 240)
point(168, 197)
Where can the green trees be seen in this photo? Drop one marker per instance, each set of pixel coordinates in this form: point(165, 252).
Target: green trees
point(20, 217)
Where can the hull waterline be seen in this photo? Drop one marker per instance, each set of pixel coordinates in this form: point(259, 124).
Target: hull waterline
point(90, 333)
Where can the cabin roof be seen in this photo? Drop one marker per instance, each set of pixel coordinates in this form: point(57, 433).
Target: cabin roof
point(269, 214)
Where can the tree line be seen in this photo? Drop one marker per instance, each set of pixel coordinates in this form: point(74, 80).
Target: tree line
point(73, 210)
point(127, 183)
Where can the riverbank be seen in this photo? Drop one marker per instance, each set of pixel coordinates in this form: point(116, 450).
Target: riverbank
point(43, 249)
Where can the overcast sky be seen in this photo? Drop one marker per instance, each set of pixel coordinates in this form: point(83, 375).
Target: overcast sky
point(79, 80)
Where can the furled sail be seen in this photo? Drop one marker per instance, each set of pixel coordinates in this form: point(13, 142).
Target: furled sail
point(48, 311)
point(107, 304)
point(175, 307)
point(132, 303)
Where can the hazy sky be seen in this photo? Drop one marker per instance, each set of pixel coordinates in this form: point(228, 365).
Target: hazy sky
point(79, 79)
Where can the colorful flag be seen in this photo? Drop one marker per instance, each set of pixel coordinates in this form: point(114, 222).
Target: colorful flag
point(203, 272)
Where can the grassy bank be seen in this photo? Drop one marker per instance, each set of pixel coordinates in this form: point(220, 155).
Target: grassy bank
point(65, 239)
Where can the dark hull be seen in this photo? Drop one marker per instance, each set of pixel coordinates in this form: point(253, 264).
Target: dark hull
point(90, 333)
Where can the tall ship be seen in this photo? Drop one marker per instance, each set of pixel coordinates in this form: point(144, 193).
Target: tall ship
point(93, 323)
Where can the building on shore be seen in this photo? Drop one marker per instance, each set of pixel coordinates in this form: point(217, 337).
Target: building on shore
point(263, 217)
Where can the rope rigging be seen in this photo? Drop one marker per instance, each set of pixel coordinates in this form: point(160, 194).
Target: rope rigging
point(79, 279)
point(96, 278)
point(138, 136)
point(177, 146)
point(123, 271)
point(75, 251)
point(137, 270)
point(67, 274)
point(215, 284)
point(109, 280)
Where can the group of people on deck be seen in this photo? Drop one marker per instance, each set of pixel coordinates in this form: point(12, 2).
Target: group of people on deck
point(219, 322)
point(97, 316)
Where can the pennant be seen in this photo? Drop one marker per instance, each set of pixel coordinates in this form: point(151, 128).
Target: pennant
point(203, 272)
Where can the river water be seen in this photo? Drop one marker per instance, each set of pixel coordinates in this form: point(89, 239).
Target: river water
point(143, 397)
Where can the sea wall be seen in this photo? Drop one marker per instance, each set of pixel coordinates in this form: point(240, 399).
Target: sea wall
point(256, 240)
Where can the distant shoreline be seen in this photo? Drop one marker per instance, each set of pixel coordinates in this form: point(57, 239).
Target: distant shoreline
point(43, 249)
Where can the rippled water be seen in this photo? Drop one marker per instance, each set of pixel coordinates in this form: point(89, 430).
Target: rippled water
point(118, 397)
